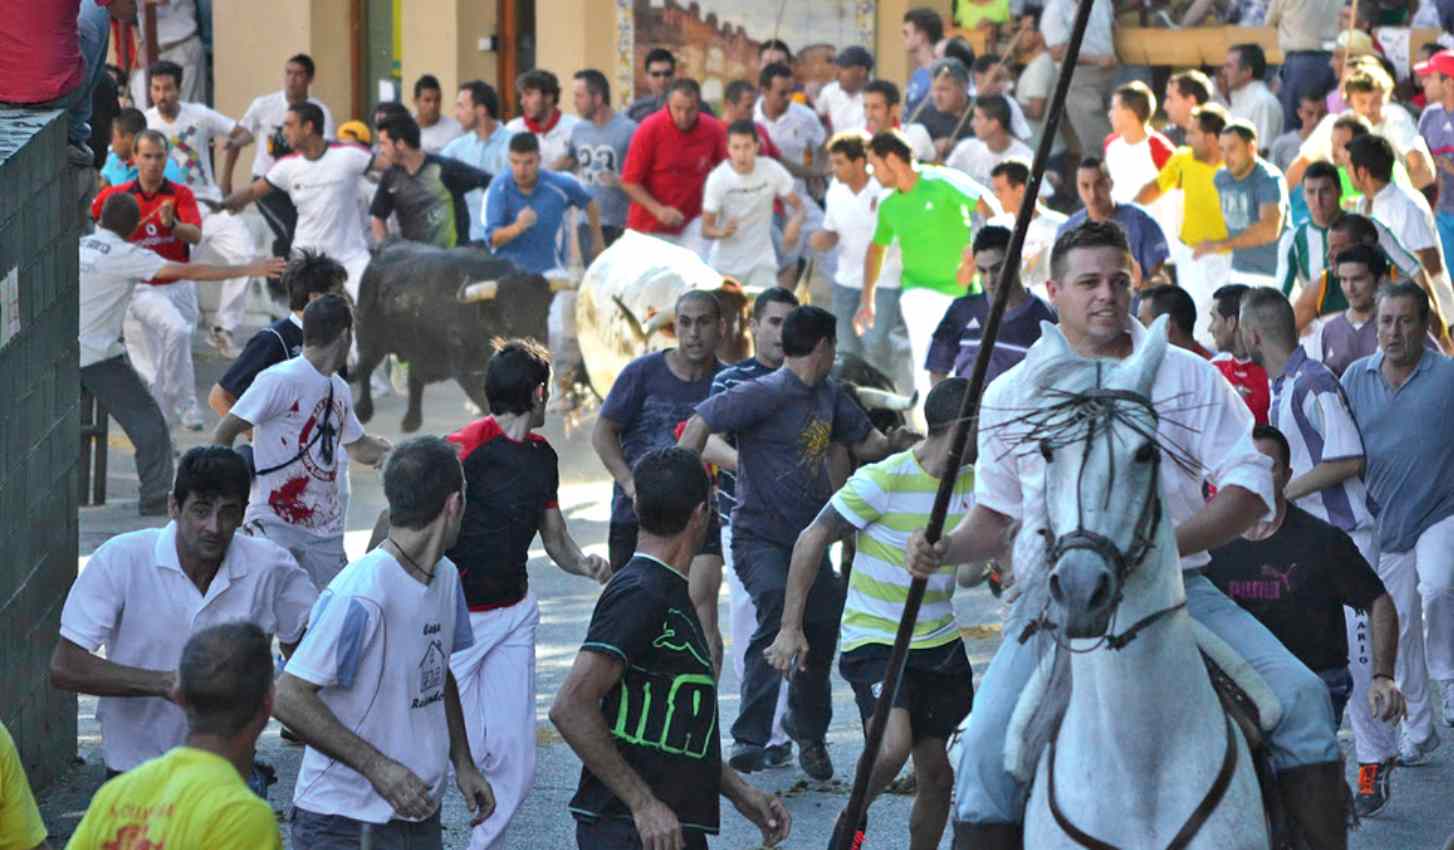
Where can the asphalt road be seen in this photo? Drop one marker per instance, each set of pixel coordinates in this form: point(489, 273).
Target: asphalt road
point(1419, 817)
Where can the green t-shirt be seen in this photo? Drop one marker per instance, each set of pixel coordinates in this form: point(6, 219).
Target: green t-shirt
point(932, 222)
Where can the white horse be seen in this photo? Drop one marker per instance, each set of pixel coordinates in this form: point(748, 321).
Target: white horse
point(1143, 755)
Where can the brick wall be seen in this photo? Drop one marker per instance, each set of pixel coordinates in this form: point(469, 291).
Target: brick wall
point(40, 221)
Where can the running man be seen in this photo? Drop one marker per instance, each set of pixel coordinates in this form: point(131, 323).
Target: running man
point(737, 205)
point(876, 508)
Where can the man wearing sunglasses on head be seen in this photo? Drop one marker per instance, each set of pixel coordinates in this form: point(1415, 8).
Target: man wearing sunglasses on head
point(301, 414)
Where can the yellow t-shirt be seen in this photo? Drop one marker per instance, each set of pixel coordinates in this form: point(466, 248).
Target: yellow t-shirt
point(1201, 219)
point(20, 825)
point(186, 798)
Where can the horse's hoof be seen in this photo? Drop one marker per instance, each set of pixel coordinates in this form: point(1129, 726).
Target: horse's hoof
point(410, 424)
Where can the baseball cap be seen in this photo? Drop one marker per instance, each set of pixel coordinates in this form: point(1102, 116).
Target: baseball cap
point(1354, 42)
point(355, 131)
point(853, 56)
point(951, 66)
point(1440, 63)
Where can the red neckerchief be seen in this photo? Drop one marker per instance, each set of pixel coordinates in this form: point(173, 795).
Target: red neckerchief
point(542, 129)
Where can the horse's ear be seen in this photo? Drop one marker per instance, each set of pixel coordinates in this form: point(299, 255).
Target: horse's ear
point(1142, 366)
point(1054, 340)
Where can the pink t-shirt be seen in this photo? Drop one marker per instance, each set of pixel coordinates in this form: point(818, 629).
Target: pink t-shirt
point(40, 51)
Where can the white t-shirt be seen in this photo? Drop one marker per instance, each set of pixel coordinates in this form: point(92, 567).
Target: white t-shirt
point(747, 199)
point(264, 119)
point(1038, 81)
point(921, 144)
point(1212, 427)
point(378, 646)
point(1406, 214)
point(175, 22)
point(285, 405)
point(326, 193)
point(853, 216)
point(110, 268)
point(1134, 164)
point(554, 143)
point(133, 598)
point(795, 132)
point(843, 110)
point(190, 136)
point(433, 139)
point(1255, 102)
point(1396, 125)
point(974, 157)
point(1039, 239)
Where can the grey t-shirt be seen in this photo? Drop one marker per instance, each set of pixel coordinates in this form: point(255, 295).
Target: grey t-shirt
point(1240, 202)
point(784, 430)
point(598, 150)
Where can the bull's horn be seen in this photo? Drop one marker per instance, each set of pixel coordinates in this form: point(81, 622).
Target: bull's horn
point(876, 399)
point(561, 280)
point(657, 322)
point(480, 290)
point(632, 322)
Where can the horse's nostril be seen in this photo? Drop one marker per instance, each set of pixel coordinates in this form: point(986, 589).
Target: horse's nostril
point(1102, 593)
point(1055, 592)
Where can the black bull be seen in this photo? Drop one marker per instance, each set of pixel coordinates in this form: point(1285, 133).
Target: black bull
point(409, 306)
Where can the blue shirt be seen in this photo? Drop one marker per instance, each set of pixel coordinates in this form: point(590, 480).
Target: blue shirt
point(1410, 471)
point(748, 370)
point(117, 172)
point(785, 430)
point(537, 249)
point(492, 157)
point(1148, 243)
point(1241, 200)
point(956, 341)
point(916, 90)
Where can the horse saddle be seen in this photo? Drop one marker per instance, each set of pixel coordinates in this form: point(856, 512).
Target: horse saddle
point(1245, 697)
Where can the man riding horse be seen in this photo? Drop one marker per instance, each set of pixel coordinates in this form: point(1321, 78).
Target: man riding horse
point(1204, 424)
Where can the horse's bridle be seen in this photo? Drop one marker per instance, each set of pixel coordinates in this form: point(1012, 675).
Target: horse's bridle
point(1148, 522)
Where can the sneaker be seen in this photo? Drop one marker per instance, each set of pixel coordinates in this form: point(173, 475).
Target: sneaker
point(813, 759)
point(221, 339)
point(747, 758)
point(192, 419)
point(778, 755)
point(1446, 690)
point(1373, 788)
point(859, 833)
point(1411, 754)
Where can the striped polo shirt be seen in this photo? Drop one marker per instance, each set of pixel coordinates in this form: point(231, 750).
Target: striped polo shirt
point(886, 501)
point(1310, 409)
point(1302, 258)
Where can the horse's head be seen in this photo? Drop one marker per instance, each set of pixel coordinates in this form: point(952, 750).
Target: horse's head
point(1098, 435)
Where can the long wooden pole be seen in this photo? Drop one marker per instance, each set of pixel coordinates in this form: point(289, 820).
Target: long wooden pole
point(964, 426)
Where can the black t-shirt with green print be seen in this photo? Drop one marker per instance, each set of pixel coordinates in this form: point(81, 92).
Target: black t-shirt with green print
point(663, 712)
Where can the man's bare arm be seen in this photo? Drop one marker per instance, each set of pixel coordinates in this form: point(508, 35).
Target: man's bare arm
point(606, 440)
point(576, 713)
point(1323, 476)
point(229, 429)
point(74, 669)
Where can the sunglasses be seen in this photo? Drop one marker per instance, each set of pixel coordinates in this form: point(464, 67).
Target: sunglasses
point(660, 73)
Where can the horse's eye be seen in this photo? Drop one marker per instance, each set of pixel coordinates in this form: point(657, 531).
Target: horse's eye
point(1045, 451)
point(1146, 453)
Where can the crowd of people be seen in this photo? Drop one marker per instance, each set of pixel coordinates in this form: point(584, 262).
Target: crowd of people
point(1289, 233)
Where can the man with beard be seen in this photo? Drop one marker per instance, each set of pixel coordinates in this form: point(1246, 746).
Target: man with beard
point(540, 114)
point(484, 144)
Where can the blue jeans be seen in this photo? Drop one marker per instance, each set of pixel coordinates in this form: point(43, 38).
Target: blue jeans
point(1303, 72)
point(336, 832)
point(1306, 735)
point(1445, 221)
point(876, 345)
point(845, 305)
point(620, 834)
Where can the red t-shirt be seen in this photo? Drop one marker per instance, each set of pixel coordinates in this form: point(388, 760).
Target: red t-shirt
point(40, 51)
point(1250, 382)
point(672, 166)
point(150, 232)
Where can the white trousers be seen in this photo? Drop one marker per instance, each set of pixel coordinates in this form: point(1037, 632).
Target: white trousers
point(560, 323)
point(226, 241)
point(1421, 582)
point(165, 317)
point(1201, 278)
point(922, 310)
point(1374, 740)
point(741, 623)
point(496, 679)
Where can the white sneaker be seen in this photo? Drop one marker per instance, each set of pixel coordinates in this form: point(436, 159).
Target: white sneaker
point(1446, 689)
point(221, 339)
point(1411, 754)
point(192, 419)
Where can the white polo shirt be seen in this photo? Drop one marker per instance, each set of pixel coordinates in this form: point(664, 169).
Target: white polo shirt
point(843, 110)
point(795, 132)
point(111, 267)
point(1202, 416)
point(133, 598)
point(853, 216)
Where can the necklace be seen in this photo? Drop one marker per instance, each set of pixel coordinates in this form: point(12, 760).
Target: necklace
point(428, 575)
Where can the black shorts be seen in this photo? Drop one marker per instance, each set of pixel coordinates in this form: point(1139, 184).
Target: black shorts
point(937, 688)
point(621, 541)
